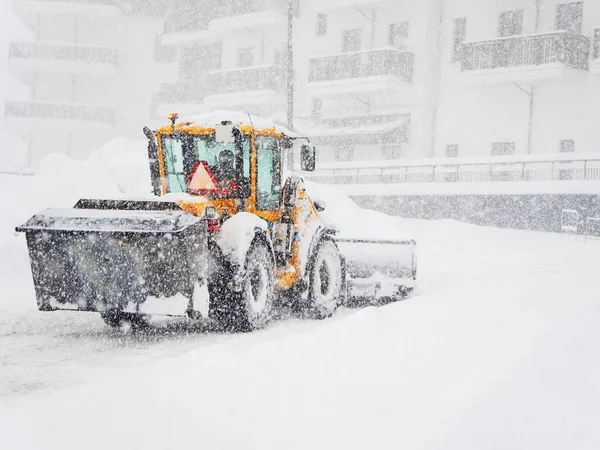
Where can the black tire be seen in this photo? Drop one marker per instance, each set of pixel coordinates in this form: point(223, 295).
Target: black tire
point(123, 320)
point(251, 307)
point(326, 280)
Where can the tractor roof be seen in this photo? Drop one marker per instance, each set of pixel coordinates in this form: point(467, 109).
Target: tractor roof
point(205, 124)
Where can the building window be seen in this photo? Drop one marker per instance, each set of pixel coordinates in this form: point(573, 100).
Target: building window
point(503, 148)
point(510, 23)
point(245, 57)
point(345, 153)
point(451, 151)
point(397, 33)
point(569, 17)
point(321, 24)
point(567, 146)
point(317, 106)
point(392, 151)
point(459, 35)
point(596, 43)
point(352, 40)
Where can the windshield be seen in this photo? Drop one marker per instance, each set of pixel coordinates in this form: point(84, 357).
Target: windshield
point(182, 153)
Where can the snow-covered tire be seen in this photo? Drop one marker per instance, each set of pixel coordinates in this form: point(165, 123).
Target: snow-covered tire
point(251, 308)
point(127, 321)
point(325, 280)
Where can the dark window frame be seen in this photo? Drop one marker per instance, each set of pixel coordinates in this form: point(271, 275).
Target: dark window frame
point(567, 146)
point(322, 24)
point(347, 40)
point(578, 22)
point(504, 18)
point(504, 148)
point(452, 150)
point(459, 35)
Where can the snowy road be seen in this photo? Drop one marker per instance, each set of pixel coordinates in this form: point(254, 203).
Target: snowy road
point(498, 350)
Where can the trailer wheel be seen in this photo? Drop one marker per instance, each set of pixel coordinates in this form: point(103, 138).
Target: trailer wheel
point(248, 306)
point(325, 280)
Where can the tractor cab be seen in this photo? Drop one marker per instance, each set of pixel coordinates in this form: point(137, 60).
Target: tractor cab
point(237, 167)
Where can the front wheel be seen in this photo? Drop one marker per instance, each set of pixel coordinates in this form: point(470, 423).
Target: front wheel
point(325, 280)
point(250, 305)
point(125, 321)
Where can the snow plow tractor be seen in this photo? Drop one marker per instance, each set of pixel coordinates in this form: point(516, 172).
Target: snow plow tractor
point(228, 235)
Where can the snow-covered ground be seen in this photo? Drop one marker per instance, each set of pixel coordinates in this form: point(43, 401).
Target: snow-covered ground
point(498, 349)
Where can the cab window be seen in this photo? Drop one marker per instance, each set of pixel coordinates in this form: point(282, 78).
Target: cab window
point(268, 172)
point(174, 165)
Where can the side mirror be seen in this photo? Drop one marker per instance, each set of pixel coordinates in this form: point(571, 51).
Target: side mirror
point(307, 158)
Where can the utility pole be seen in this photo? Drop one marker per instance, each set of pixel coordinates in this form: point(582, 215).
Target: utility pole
point(290, 64)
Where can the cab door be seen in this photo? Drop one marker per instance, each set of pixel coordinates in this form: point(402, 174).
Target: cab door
point(268, 177)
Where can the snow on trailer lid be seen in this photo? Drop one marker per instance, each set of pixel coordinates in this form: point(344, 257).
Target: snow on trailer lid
point(90, 220)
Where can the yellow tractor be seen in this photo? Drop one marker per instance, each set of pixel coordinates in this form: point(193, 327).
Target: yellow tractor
point(228, 235)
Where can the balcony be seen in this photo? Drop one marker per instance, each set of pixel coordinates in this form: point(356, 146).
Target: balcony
point(250, 86)
point(526, 59)
point(31, 57)
point(189, 25)
point(32, 115)
point(386, 70)
point(184, 97)
point(25, 8)
point(250, 14)
point(323, 5)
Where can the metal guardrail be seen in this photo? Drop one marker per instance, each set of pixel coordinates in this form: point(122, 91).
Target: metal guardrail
point(551, 170)
point(344, 66)
point(572, 50)
point(75, 53)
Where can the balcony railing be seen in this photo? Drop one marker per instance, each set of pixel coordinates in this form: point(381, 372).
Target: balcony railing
point(382, 62)
point(198, 18)
point(246, 79)
point(44, 110)
point(187, 91)
point(572, 50)
point(74, 53)
point(188, 20)
point(468, 172)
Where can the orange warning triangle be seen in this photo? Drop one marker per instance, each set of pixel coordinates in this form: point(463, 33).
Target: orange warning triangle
point(201, 178)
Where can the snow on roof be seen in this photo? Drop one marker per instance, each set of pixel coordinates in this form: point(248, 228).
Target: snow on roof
point(209, 120)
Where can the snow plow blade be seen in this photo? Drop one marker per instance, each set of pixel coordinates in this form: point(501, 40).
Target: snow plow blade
point(112, 255)
point(378, 271)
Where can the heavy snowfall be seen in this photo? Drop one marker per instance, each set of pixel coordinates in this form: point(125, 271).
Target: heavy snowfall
point(497, 348)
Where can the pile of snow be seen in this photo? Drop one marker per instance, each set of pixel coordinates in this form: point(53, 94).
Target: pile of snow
point(209, 120)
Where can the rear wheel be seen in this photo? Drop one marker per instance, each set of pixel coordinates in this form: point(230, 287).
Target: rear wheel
point(325, 280)
point(250, 306)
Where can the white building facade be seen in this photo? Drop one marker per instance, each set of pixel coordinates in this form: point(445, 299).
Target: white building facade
point(231, 56)
point(90, 71)
point(394, 79)
point(519, 77)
